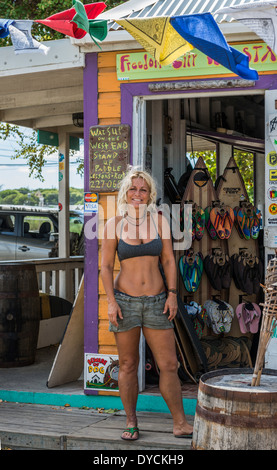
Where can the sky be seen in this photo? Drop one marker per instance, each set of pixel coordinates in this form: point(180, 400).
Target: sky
point(14, 174)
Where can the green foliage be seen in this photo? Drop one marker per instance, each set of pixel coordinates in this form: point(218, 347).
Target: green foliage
point(18, 197)
point(28, 148)
point(244, 160)
point(25, 196)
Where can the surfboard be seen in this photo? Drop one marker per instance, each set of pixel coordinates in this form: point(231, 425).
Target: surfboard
point(68, 364)
point(232, 192)
point(187, 335)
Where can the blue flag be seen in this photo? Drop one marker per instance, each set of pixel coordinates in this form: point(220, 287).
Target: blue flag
point(204, 34)
point(4, 27)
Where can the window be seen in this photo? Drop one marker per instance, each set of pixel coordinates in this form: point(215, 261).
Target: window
point(7, 223)
point(37, 226)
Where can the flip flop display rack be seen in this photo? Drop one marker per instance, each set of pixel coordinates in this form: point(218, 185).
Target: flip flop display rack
point(218, 286)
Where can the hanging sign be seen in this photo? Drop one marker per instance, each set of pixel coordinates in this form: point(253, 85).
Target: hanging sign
point(142, 66)
point(101, 372)
point(109, 155)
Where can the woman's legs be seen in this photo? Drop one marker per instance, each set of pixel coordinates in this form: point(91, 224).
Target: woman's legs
point(162, 345)
point(128, 352)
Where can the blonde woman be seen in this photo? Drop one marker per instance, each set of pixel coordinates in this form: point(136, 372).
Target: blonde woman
point(138, 299)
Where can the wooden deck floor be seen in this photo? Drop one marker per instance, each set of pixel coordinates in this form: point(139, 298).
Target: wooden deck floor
point(44, 427)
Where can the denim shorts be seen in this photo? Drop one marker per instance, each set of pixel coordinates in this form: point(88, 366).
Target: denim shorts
point(141, 311)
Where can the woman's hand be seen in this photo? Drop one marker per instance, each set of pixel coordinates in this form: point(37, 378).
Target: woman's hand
point(113, 311)
point(171, 306)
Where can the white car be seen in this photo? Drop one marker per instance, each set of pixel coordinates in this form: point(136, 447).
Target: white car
point(32, 232)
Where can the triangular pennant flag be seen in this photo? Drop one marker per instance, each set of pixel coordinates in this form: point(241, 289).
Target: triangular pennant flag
point(157, 37)
point(97, 29)
point(260, 17)
point(63, 23)
point(20, 32)
point(202, 31)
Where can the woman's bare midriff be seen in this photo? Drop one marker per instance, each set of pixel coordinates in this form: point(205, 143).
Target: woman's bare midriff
point(140, 276)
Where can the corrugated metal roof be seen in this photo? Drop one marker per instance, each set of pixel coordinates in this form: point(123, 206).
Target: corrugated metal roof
point(150, 9)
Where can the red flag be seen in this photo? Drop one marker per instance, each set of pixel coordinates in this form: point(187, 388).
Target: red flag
point(62, 21)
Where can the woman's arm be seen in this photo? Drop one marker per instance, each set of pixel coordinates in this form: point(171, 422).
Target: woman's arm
point(109, 244)
point(169, 267)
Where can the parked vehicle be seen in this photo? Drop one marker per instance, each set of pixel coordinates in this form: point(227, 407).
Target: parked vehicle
point(32, 232)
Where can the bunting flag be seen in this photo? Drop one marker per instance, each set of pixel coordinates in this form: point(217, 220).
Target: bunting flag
point(202, 31)
point(158, 37)
point(260, 17)
point(66, 21)
point(20, 32)
point(97, 29)
point(4, 27)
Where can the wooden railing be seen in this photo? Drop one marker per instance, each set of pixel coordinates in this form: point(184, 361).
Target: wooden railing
point(57, 276)
point(60, 276)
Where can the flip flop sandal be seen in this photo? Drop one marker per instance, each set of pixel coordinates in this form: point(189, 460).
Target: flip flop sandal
point(184, 436)
point(191, 268)
point(238, 269)
point(255, 316)
point(185, 220)
point(209, 226)
point(242, 223)
point(236, 222)
point(226, 273)
point(211, 269)
point(193, 228)
point(249, 276)
point(241, 316)
point(214, 318)
point(200, 223)
point(199, 268)
point(216, 216)
point(132, 432)
point(186, 270)
point(258, 276)
point(245, 225)
point(228, 316)
point(228, 221)
point(256, 223)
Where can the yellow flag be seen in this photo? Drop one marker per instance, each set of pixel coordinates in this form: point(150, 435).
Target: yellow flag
point(158, 37)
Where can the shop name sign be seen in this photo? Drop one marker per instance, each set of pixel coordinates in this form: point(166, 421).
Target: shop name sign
point(141, 65)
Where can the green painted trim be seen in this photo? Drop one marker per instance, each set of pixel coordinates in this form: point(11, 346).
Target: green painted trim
point(149, 403)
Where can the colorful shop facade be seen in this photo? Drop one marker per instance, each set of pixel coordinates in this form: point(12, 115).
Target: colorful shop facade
point(209, 138)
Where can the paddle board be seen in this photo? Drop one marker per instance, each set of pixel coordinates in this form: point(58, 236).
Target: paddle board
point(200, 191)
point(232, 192)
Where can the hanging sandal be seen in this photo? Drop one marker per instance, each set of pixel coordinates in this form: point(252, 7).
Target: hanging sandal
point(209, 226)
point(132, 432)
point(217, 216)
point(237, 222)
point(228, 221)
point(200, 223)
point(256, 223)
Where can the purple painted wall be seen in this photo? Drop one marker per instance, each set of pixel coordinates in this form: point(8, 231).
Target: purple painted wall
point(91, 245)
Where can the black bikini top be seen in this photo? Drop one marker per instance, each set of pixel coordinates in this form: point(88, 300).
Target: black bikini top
point(152, 248)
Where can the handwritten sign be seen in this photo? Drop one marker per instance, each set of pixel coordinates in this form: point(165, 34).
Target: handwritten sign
point(109, 154)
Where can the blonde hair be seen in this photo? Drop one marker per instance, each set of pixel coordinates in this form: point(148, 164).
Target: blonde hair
point(126, 184)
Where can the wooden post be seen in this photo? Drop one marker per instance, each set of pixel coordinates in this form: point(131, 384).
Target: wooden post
point(64, 243)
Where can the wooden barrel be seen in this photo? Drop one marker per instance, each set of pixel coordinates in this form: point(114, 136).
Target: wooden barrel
point(19, 314)
point(232, 415)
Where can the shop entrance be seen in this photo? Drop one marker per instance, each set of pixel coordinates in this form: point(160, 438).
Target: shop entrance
point(177, 137)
